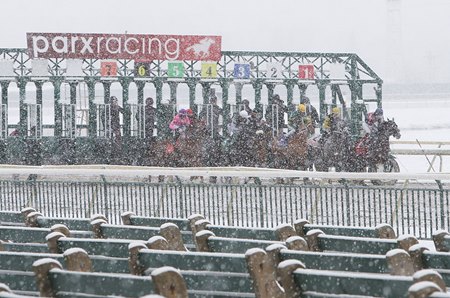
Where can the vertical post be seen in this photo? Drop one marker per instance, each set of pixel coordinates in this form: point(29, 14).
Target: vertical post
point(379, 94)
point(356, 92)
point(73, 101)
point(173, 91)
point(58, 111)
point(107, 91)
point(73, 92)
point(192, 84)
point(257, 86)
point(270, 90)
point(225, 84)
point(39, 102)
point(206, 91)
point(238, 87)
point(290, 83)
point(140, 91)
point(38, 92)
point(160, 115)
point(92, 130)
point(322, 108)
point(333, 95)
point(302, 88)
point(125, 82)
point(4, 86)
point(22, 83)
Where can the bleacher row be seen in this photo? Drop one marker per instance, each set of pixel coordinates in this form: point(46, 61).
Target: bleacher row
point(168, 257)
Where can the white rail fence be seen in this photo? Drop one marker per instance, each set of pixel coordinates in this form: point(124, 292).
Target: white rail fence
point(422, 148)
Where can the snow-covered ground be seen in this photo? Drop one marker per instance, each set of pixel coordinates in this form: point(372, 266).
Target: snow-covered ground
point(422, 119)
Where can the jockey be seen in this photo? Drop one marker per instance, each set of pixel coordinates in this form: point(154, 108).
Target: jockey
point(373, 121)
point(299, 119)
point(310, 111)
point(333, 121)
point(180, 122)
point(243, 139)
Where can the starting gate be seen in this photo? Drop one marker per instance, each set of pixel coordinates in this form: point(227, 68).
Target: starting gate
point(299, 72)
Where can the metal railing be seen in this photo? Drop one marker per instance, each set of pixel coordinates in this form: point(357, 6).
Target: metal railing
point(417, 211)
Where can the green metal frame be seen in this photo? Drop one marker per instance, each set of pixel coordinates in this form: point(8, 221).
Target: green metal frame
point(357, 75)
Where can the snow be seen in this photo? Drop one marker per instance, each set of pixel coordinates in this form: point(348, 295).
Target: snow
point(275, 246)
point(423, 285)
point(156, 238)
point(127, 213)
point(168, 225)
point(362, 239)
point(43, 261)
point(293, 239)
point(26, 209)
point(283, 225)
point(314, 231)
point(202, 221)
point(98, 221)
point(382, 225)
point(424, 272)
point(425, 243)
point(253, 251)
point(205, 232)
point(54, 234)
point(165, 269)
point(394, 252)
point(364, 275)
point(438, 232)
point(127, 172)
point(34, 213)
point(74, 250)
point(58, 226)
point(137, 244)
point(290, 263)
point(194, 216)
point(405, 236)
point(337, 254)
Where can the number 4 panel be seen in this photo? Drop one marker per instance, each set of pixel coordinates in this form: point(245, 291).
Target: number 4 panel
point(209, 70)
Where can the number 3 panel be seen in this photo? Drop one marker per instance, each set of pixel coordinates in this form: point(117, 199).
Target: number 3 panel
point(241, 71)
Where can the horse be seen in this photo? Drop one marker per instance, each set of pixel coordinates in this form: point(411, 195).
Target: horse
point(189, 149)
point(292, 155)
point(379, 158)
point(379, 148)
point(336, 149)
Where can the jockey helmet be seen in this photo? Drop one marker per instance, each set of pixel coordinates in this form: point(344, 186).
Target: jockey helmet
point(301, 108)
point(244, 114)
point(189, 112)
point(183, 112)
point(304, 100)
point(378, 112)
point(336, 111)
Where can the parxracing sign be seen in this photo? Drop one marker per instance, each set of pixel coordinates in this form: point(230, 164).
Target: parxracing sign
point(124, 46)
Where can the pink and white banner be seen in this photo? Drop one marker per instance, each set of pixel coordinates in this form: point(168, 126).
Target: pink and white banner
point(141, 47)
